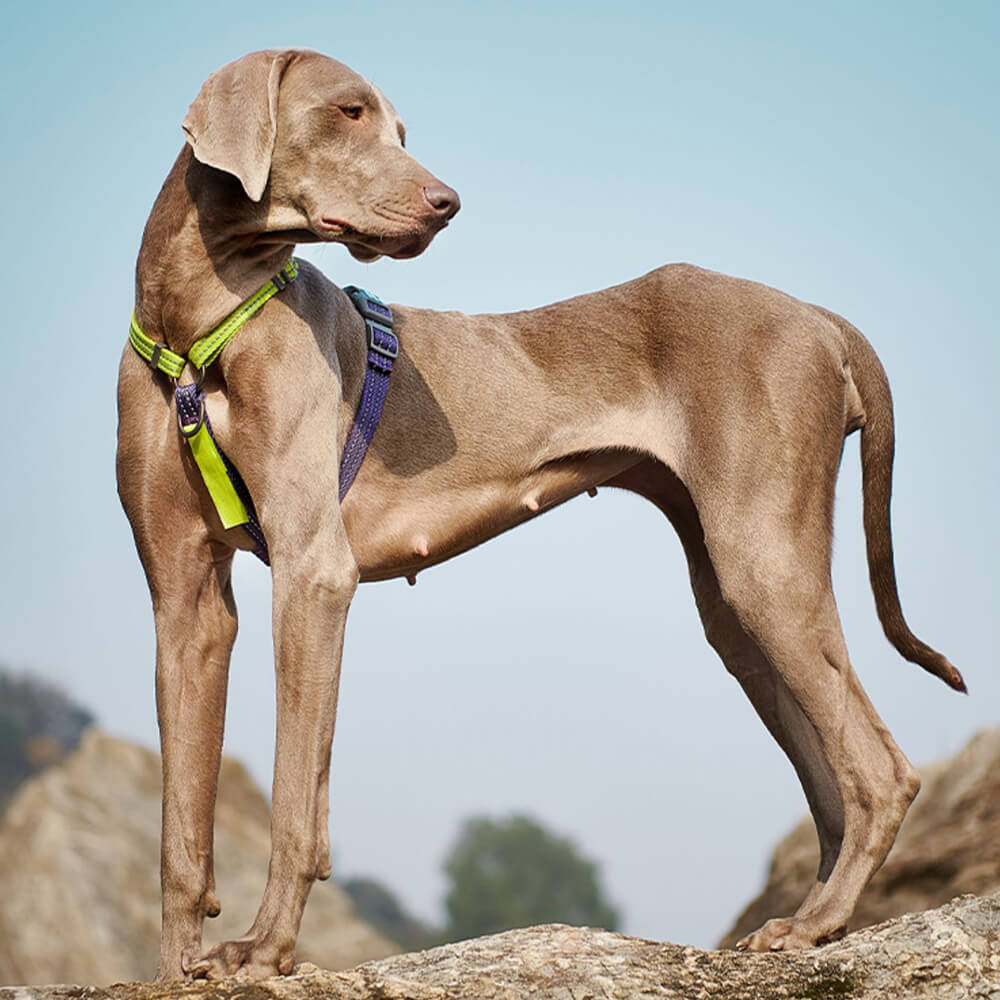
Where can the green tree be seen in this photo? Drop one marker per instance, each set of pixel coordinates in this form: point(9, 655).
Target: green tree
point(514, 873)
point(38, 726)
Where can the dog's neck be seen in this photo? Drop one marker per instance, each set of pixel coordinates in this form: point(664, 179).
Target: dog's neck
point(202, 254)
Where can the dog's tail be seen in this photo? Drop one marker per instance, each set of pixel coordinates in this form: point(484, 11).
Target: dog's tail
point(877, 446)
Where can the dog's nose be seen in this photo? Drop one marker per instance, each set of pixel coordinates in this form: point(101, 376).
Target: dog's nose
point(442, 199)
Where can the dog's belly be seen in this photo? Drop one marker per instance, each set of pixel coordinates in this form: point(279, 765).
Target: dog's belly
point(398, 527)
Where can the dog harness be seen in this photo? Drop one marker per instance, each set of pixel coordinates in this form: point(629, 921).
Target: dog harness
point(223, 481)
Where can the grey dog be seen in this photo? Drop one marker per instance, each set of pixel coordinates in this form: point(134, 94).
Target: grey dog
point(724, 402)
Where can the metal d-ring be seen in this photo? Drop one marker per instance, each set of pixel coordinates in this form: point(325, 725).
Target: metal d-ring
point(189, 430)
point(199, 382)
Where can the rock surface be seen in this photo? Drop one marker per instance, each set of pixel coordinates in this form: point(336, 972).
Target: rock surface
point(79, 871)
point(949, 844)
point(952, 953)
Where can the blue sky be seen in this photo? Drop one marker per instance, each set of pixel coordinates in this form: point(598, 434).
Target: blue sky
point(846, 153)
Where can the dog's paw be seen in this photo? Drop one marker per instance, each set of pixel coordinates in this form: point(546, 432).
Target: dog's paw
point(785, 934)
point(789, 934)
point(244, 958)
point(770, 937)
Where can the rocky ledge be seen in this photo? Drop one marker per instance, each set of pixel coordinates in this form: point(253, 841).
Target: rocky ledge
point(951, 953)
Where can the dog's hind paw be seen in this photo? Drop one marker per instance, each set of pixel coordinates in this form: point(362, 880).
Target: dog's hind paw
point(784, 934)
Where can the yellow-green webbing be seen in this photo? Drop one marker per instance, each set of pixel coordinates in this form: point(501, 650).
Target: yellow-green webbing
point(159, 356)
point(207, 348)
point(213, 470)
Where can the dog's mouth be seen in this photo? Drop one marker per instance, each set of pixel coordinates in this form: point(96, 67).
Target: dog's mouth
point(368, 247)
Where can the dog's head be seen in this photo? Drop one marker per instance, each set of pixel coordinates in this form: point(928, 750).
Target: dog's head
point(321, 150)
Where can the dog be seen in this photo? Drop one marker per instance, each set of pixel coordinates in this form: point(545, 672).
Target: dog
point(724, 402)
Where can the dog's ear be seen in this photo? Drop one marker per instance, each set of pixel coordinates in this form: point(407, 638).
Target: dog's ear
point(231, 124)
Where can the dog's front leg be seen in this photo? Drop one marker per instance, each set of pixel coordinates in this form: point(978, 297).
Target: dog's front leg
point(315, 577)
point(195, 630)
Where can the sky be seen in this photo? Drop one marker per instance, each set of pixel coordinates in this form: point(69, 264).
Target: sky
point(844, 152)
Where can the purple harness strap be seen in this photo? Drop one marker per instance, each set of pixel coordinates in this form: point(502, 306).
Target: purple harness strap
point(383, 348)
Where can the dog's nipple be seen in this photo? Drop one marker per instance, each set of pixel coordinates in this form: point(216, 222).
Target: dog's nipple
point(531, 503)
point(412, 579)
point(421, 548)
point(592, 492)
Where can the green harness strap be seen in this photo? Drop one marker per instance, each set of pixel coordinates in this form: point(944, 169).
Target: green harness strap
point(232, 511)
point(190, 400)
point(206, 349)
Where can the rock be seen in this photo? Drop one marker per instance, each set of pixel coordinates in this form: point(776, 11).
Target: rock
point(952, 953)
point(79, 870)
point(949, 844)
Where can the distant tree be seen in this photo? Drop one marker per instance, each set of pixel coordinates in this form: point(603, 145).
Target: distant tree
point(378, 906)
point(38, 726)
point(514, 873)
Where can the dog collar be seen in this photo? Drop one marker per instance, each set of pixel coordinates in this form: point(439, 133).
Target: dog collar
point(207, 348)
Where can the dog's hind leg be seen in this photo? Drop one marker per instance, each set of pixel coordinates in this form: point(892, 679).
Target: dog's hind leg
point(874, 781)
point(772, 701)
point(776, 582)
point(195, 629)
point(743, 658)
point(776, 707)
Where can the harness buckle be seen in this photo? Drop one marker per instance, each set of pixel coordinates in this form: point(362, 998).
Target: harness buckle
point(154, 359)
point(390, 347)
point(369, 306)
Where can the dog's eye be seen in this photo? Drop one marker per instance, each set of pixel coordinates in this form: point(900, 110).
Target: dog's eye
point(353, 111)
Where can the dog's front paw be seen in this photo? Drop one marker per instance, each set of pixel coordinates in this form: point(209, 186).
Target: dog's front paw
point(245, 958)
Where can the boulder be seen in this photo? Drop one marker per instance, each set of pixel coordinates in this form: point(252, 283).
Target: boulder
point(79, 870)
point(952, 953)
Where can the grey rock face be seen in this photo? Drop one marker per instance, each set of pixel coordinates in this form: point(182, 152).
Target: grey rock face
point(949, 845)
point(79, 871)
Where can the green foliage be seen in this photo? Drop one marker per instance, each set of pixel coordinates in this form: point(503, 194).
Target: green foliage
point(38, 725)
point(513, 873)
point(376, 905)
